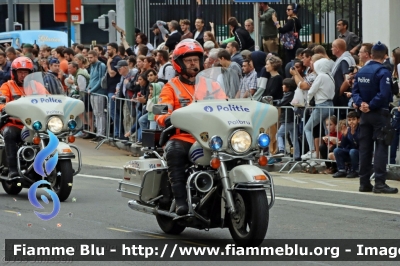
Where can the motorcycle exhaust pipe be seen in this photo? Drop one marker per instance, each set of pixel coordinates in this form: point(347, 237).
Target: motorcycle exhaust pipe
point(204, 182)
point(28, 154)
point(134, 205)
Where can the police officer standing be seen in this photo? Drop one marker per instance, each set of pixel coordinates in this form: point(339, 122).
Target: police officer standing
point(372, 95)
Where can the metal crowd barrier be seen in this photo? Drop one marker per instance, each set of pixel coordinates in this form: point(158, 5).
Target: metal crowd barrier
point(303, 114)
point(121, 113)
point(123, 109)
point(294, 134)
point(332, 111)
point(90, 116)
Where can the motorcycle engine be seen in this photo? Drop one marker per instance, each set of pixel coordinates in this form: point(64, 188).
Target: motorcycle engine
point(202, 181)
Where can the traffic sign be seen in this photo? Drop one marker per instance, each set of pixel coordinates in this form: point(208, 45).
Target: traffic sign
point(60, 10)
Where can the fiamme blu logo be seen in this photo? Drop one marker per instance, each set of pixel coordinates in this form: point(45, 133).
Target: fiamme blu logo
point(45, 162)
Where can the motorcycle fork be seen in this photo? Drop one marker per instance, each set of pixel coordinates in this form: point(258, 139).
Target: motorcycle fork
point(229, 202)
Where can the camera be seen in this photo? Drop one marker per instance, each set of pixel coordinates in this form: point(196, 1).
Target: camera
point(351, 69)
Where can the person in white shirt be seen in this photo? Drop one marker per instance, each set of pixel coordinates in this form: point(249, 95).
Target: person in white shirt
point(141, 38)
point(166, 71)
point(323, 91)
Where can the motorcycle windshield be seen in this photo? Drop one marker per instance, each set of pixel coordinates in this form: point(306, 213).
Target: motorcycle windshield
point(39, 83)
point(215, 84)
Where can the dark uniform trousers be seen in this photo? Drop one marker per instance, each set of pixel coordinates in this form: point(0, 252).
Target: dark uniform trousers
point(177, 155)
point(371, 124)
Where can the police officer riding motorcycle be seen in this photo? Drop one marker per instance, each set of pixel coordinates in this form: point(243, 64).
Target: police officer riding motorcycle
point(13, 90)
point(187, 60)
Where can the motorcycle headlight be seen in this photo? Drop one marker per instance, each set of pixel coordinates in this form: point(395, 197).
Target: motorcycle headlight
point(215, 143)
point(263, 140)
point(240, 141)
point(55, 124)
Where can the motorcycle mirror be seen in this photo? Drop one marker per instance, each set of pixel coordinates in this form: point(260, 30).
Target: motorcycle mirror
point(160, 109)
point(267, 99)
point(3, 100)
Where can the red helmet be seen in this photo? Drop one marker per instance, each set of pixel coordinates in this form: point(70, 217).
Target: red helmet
point(21, 63)
point(187, 47)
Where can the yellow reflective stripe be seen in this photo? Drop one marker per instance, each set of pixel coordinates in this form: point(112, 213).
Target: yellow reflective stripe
point(12, 88)
point(177, 92)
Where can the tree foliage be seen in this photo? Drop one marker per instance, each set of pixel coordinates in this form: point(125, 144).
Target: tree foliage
point(326, 6)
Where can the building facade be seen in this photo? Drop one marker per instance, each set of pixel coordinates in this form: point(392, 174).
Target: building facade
point(39, 14)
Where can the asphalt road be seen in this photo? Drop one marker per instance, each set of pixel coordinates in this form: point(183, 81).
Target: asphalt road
point(307, 207)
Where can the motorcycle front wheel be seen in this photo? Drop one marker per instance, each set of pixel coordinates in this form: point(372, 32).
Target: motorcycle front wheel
point(11, 187)
point(62, 182)
point(249, 225)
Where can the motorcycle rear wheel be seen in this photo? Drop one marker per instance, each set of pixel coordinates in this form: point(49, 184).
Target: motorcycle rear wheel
point(168, 225)
point(249, 226)
point(62, 183)
point(11, 187)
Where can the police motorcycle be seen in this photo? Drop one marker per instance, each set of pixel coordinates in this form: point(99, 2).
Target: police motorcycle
point(226, 187)
point(50, 121)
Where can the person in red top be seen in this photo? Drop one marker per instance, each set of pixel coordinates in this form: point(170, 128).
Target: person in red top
point(13, 90)
point(187, 60)
point(331, 141)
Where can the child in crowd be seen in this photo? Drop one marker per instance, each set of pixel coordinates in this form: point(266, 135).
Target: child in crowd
point(155, 90)
point(287, 119)
point(330, 142)
point(348, 150)
point(331, 156)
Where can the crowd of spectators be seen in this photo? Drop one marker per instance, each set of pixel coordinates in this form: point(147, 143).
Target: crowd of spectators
point(119, 82)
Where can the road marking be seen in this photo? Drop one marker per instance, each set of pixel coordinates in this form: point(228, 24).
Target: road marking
point(293, 179)
point(99, 177)
point(155, 236)
point(96, 165)
point(346, 191)
point(339, 205)
point(323, 183)
point(11, 212)
point(143, 231)
point(120, 230)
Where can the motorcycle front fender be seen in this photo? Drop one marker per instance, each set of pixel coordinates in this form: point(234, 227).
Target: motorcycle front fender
point(64, 151)
point(247, 174)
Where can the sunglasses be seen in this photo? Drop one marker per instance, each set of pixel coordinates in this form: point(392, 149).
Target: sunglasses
point(395, 49)
point(288, 9)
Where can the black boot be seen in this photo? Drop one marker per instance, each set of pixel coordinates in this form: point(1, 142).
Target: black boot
point(179, 191)
point(11, 136)
point(12, 167)
point(181, 206)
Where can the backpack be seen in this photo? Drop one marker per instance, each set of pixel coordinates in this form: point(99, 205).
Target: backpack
point(165, 80)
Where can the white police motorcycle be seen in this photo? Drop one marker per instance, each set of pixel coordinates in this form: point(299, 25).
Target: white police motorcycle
point(45, 151)
point(226, 188)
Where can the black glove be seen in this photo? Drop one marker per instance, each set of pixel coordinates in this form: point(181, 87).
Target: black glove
point(4, 118)
point(168, 122)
